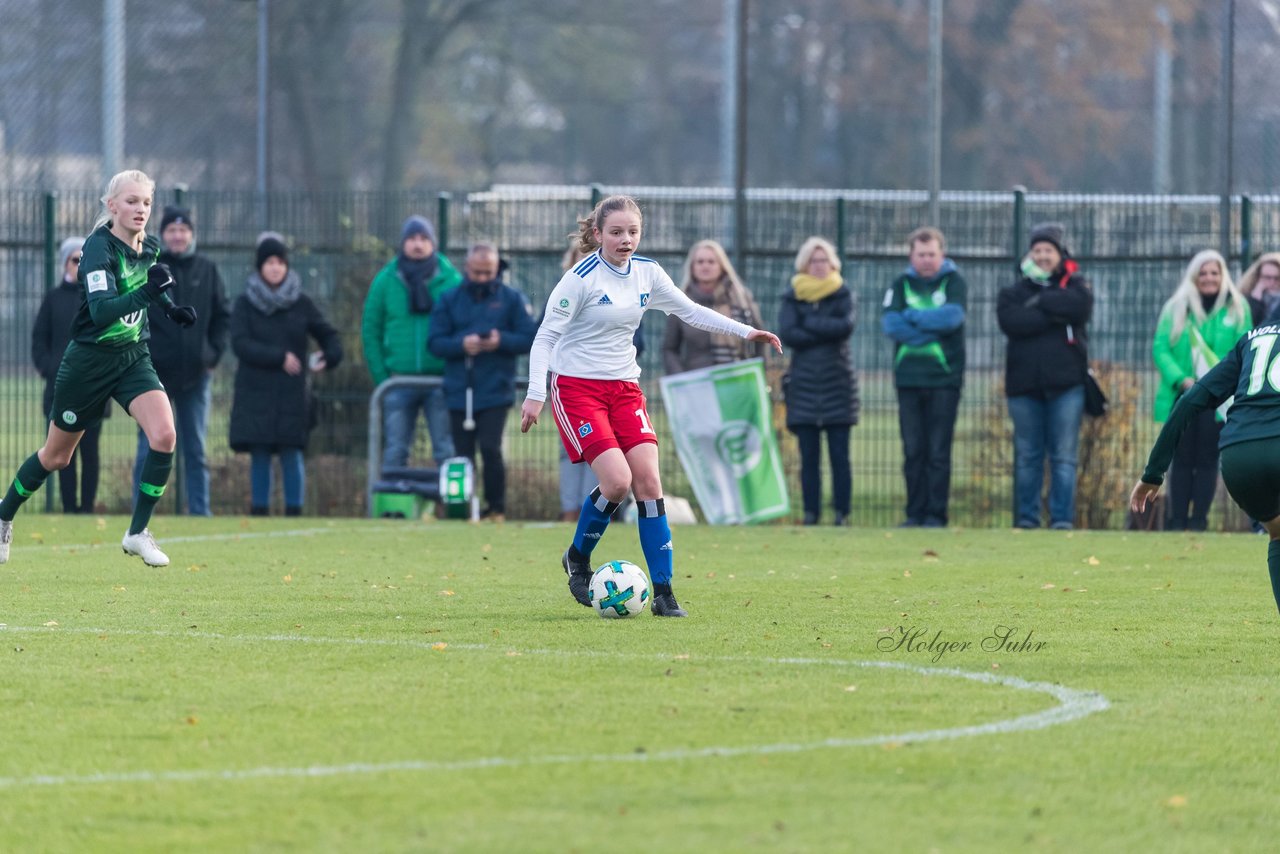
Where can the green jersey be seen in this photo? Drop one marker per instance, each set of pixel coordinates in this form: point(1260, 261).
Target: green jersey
point(113, 312)
point(1251, 372)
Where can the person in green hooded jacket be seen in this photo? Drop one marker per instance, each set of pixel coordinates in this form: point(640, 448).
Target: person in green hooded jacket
point(395, 327)
point(1198, 325)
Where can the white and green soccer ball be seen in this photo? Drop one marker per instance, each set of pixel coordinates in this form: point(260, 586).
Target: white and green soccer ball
point(619, 589)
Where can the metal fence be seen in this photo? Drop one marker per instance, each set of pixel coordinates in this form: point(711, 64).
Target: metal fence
point(1132, 248)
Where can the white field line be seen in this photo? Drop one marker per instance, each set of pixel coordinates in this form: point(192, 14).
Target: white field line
point(1073, 704)
point(229, 535)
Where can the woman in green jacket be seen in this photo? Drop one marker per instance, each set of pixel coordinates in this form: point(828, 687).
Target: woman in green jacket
point(1199, 325)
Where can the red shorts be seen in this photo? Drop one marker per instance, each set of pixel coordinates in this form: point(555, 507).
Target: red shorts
point(595, 415)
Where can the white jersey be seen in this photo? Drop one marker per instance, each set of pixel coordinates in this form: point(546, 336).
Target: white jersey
point(592, 316)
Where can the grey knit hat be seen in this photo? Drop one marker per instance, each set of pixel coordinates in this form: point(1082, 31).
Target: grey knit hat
point(1049, 232)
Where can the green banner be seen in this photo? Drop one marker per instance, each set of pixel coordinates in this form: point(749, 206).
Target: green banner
point(720, 422)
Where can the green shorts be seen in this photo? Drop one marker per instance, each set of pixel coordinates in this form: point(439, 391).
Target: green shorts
point(1251, 472)
point(90, 374)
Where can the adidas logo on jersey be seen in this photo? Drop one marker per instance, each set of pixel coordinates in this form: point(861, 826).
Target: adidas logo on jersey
point(604, 300)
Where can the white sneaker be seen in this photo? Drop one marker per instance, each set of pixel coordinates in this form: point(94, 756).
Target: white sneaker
point(144, 546)
point(6, 537)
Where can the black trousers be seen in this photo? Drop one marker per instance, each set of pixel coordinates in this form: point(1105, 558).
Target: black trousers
point(1193, 477)
point(810, 440)
point(927, 421)
point(488, 438)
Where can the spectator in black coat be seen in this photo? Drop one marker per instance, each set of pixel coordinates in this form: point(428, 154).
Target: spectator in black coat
point(1044, 315)
point(271, 411)
point(49, 338)
point(185, 357)
point(821, 388)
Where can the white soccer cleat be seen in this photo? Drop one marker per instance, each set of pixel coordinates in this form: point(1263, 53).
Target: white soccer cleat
point(6, 537)
point(144, 546)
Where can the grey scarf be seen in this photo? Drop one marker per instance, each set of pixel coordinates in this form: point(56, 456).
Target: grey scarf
point(269, 300)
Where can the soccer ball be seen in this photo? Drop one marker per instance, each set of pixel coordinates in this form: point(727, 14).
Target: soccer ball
point(619, 589)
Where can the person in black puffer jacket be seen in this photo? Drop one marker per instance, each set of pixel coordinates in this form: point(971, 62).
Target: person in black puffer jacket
point(1044, 315)
point(270, 411)
point(820, 388)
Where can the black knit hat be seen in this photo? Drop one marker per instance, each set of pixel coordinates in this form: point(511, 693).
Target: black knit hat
point(172, 214)
point(270, 245)
point(1049, 232)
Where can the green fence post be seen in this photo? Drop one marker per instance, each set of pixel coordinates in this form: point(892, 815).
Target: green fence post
point(179, 195)
point(597, 193)
point(840, 227)
point(442, 221)
point(52, 276)
point(1019, 224)
point(1246, 232)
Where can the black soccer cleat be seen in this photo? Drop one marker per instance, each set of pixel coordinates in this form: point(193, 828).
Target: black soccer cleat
point(579, 572)
point(665, 605)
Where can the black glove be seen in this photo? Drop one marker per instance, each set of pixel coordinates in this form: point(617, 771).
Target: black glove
point(159, 280)
point(183, 315)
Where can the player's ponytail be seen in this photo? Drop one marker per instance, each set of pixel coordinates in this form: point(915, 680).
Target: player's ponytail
point(117, 181)
point(586, 238)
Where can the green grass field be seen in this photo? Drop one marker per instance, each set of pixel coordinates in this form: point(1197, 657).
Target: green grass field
point(373, 686)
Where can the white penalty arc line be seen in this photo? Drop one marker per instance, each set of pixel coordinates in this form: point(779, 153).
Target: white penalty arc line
point(1073, 704)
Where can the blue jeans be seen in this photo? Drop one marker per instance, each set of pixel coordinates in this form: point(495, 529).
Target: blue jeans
point(400, 409)
point(191, 418)
point(292, 471)
point(1050, 426)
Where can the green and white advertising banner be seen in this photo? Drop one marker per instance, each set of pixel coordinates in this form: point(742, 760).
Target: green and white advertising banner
point(719, 418)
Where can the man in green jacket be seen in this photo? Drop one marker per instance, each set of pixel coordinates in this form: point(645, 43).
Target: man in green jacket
point(397, 320)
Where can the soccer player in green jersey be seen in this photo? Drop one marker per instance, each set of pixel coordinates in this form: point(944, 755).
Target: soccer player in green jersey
point(1250, 452)
point(108, 357)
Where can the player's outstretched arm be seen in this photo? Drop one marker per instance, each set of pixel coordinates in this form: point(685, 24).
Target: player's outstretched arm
point(529, 412)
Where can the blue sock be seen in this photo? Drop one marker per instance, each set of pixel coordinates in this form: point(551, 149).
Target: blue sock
point(655, 541)
point(596, 512)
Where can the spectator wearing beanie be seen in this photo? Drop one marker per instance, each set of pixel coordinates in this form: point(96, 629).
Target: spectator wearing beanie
point(271, 411)
point(394, 332)
point(186, 357)
point(49, 338)
point(1044, 315)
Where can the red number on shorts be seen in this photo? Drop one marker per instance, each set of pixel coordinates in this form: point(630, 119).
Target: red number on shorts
point(644, 421)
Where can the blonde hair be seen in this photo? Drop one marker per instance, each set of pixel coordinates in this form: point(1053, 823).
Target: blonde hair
point(1249, 281)
point(116, 185)
point(1186, 299)
point(812, 245)
point(586, 238)
point(573, 254)
point(736, 292)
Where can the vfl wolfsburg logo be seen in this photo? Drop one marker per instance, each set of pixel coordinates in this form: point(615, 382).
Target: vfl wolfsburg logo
point(564, 303)
point(69, 417)
point(738, 446)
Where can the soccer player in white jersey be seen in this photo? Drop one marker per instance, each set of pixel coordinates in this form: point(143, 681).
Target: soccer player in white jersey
point(585, 341)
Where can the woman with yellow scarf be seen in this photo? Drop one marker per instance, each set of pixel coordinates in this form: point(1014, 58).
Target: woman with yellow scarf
point(821, 388)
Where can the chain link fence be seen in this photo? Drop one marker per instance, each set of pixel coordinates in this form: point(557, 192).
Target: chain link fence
point(1132, 248)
